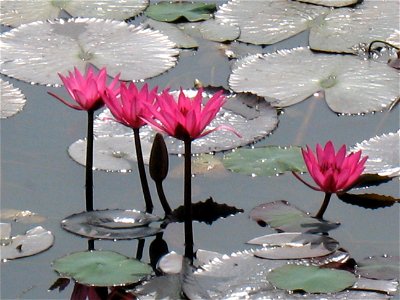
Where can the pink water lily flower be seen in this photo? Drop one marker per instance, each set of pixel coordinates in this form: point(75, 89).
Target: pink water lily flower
point(129, 105)
point(86, 90)
point(333, 172)
point(187, 118)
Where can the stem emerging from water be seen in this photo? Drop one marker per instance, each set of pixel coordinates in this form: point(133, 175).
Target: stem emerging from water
point(188, 202)
point(142, 172)
point(324, 206)
point(89, 162)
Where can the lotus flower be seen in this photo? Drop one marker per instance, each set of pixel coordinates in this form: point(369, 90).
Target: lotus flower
point(185, 119)
point(86, 90)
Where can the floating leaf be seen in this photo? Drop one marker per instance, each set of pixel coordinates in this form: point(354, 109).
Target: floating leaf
point(343, 28)
point(5, 231)
point(250, 115)
point(110, 153)
point(351, 85)
point(173, 11)
point(268, 21)
point(366, 180)
point(134, 52)
point(217, 31)
point(15, 13)
point(379, 267)
point(21, 216)
point(282, 216)
point(265, 161)
point(34, 241)
point(371, 201)
point(383, 286)
point(383, 154)
point(111, 224)
point(12, 100)
point(207, 163)
point(101, 268)
point(311, 279)
point(331, 3)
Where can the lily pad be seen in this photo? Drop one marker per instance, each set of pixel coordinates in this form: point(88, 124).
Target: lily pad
point(218, 31)
point(368, 200)
point(34, 241)
point(173, 11)
point(15, 13)
point(12, 100)
point(115, 224)
point(311, 279)
point(351, 85)
point(383, 154)
point(250, 115)
point(380, 267)
point(134, 52)
point(268, 21)
point(171, 263)
point(389, 287)
point(343, 29)
point(284, 217)
point(265, 161)
point(101, 268)
point(21, 216)
point(331, 3)
point(110, 153)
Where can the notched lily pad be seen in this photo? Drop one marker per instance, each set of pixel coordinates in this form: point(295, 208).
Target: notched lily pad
point(115, 224)
point(101, 268)
point(380, 267)
point(265, 161)
point(383, 154)
point(102, 43)
point(342, 78)
point(174, 11)
point(311, 279)
point(34, 241)
point(12, 100)
point(284, 217)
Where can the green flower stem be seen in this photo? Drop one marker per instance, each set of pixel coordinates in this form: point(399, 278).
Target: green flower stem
point(188, 201)
point(324, 206)
point(89, 162)
point(142, 172)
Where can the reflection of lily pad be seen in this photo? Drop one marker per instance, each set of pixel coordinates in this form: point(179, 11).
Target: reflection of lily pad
point(111, 224)
point(34, 241)
point(15, 13)
point(383, 154)
point(101, 268)
point(135, 52)
point(287, 77)
point(344, 28)
point(282, 216)
point(265, 161)
point(110, 153)
point(380, 267)
point(12, 101)
point(172, 11)
point(311, 279)
point(332, 3)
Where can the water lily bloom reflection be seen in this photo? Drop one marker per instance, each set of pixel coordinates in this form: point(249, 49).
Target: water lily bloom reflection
point(332, 172)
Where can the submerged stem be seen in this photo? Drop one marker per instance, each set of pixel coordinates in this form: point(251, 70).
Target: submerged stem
point(142, 172)
point(324, 206)
point(188, 202)
point(89, 162)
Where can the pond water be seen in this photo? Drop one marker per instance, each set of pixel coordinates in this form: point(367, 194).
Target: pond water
point(38, 175)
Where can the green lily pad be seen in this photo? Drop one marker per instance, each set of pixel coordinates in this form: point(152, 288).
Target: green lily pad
point(311, 279)
point(173, 11)
point(265, 161)
point(101, 268)
point(380, 267)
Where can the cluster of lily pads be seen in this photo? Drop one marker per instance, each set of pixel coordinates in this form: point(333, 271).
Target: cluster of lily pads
point(301, 256)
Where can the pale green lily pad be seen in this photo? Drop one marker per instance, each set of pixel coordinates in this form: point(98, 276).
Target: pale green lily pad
point(172, 11)
point(101, 268)
point(14, 13)
point(331, 3)
point(311, 279)
point(287, 77)
point(383, 154)
point(344, 28)
point(265, 161)
point(176, 35)
point(34, 241)
point(110, 153)
point(268, 21)
point(134, 52)
point(380, 267)
point(217, 31)
point(12, 100)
